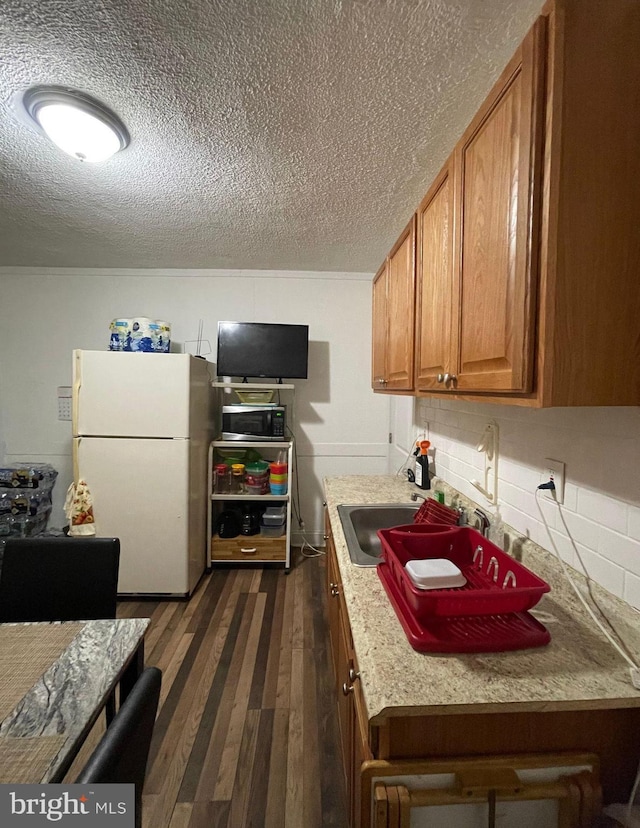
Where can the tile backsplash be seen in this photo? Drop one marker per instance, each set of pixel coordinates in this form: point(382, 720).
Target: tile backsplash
point(599, 523)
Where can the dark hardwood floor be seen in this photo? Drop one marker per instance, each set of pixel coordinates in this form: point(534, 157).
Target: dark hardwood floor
point(246, 733)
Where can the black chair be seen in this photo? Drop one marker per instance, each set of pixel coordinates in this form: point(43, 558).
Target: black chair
point(123, 751)
point(59, 579)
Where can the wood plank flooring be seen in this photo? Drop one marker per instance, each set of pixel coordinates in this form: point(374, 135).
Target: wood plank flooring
point(246, 733)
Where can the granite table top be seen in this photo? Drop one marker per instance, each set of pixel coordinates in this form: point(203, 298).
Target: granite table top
point(578, 670)
point(69, 695)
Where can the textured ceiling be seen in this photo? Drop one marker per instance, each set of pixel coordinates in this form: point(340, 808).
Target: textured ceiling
point(268, 134)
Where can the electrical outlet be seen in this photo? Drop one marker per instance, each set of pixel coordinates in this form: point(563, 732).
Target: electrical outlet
point(64, 402)
point(554, 470)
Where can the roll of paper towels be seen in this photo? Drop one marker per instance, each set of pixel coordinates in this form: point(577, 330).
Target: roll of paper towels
point(141, 334)
point(120, 334)
point(164, 336)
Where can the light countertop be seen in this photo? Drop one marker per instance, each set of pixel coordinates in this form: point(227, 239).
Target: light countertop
point(578, 670)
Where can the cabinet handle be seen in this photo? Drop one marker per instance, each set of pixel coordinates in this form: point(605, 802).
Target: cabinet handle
point(347, 688)
point(249, 550)
point(440, 377)
point(354, 675)
point(334, 590)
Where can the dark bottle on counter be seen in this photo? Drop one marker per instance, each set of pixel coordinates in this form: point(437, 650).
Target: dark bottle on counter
point(422, 465)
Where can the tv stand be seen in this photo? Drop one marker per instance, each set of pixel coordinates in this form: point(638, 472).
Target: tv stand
point(268, 550)
point(256, 386)
point(245, 381)
point(262, 548)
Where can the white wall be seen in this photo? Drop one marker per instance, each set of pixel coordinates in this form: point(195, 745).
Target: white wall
point(341, 428)
point(601, 449)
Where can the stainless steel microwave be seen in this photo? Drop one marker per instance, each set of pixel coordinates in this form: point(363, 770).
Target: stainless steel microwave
point(253, 422)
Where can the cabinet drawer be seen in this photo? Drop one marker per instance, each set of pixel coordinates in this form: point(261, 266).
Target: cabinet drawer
point(253, 547)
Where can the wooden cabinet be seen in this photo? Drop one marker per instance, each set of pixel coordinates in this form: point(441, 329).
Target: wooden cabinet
point(380, 328)
point(435, 290)
point(439, 718)
point(527, 254)
point(352, 717)
point(393, 316)
point(498, 182)
point(477, 228)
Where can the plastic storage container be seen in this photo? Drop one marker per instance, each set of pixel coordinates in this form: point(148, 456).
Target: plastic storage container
point(273, 523)
point(272, 531)
point(221, 478)
point(435, 573)
point(237, 478)
point(275, 515)
point(278, 478)
point(256, 477)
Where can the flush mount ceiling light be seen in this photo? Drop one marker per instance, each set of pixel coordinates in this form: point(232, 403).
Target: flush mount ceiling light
point(76, 123)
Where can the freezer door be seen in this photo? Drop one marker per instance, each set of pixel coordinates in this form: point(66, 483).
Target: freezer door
point(140, 492)
point(121, 394)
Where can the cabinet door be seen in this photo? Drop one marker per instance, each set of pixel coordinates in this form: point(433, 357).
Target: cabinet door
point(401, 311)
point(340, 655)
point(434, 287)
point(498, 169)
point(380, 328)
point(360, 751)
point(333, 608)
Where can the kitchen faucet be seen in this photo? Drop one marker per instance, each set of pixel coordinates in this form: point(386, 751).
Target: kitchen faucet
point(416, 496)
point(483, 521)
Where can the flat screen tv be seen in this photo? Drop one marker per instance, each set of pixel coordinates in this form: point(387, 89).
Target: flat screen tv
point(262, 349)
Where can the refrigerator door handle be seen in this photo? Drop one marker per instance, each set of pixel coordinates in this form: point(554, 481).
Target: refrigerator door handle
point(75, 393)
point(75, 459)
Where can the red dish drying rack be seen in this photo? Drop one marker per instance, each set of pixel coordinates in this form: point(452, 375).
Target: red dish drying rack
point(433, 512)
point(496, 583)
point(488, 614)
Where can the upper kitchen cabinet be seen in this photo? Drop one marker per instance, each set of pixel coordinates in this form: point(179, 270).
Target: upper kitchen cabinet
point(477, 229)
point(435, 292)
point(589, 288)
point(528, 262)
point(497, 180)
point(393, 316)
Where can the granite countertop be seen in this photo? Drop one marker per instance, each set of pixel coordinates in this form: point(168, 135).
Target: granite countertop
point(579, 669)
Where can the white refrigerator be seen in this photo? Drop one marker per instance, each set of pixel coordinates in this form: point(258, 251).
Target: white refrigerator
point(142, 424)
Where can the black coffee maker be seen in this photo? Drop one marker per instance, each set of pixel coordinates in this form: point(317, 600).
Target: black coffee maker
point(250, 520)
point(229, 523)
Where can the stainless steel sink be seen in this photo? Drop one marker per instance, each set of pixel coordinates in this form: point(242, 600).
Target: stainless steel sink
point(361, 521)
